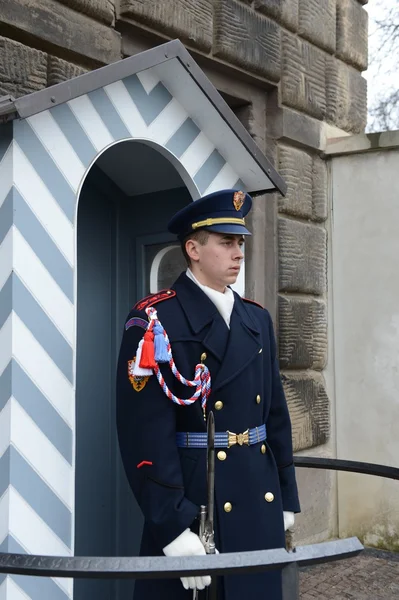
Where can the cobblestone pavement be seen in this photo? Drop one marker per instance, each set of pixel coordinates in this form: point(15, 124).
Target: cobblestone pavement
point(373, 575)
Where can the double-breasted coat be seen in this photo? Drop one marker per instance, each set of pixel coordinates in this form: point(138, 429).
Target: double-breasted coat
point(253, 484)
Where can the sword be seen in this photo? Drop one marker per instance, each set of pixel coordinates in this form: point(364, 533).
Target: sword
point(206, 527)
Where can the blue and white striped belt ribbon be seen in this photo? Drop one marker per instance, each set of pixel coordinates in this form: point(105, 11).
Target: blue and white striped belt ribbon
point(225, 439)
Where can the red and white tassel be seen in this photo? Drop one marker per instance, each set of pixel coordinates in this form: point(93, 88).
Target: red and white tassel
point(137, 370)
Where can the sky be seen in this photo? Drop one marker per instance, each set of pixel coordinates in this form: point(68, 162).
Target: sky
point(381, 75)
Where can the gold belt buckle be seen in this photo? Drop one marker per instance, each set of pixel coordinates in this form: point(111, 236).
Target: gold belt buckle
point(237, 438)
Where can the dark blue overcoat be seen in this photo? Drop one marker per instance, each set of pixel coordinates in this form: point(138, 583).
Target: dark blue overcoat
point(246, 392)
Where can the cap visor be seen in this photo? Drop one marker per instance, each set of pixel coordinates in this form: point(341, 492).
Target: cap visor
point(230, 229)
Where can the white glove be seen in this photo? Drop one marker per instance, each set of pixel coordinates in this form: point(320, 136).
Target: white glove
point(289, 519)
point(188, 544)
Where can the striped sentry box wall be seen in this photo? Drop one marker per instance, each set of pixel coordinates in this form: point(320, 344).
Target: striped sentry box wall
point(44, 160)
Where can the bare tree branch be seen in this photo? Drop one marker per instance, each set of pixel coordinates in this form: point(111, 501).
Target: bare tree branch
point(384, 110)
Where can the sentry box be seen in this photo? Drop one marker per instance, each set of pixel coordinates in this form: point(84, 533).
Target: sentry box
point(90, 172)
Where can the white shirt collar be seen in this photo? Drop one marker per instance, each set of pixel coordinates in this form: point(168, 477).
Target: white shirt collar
point(224, 302)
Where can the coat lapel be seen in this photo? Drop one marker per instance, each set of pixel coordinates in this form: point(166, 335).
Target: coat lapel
point(204, 318)
point(244, 344)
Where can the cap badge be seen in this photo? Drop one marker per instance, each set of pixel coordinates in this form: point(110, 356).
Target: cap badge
point(238, 200)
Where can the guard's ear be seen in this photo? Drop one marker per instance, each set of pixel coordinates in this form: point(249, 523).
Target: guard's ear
point(192, 247)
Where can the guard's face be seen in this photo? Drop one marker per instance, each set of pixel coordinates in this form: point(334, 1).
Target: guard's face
point(218, 262)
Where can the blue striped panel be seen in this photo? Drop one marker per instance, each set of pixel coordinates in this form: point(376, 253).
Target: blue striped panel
point(207, 173)
point(14, 381)
point(46, 168)
point(4, 472)
point(37, 588)
point(74, 133)
point(5, 386)
point(6, 216)
point(239, 185)
point(37, 494)
point(5, 138)
point(4, 548)
point(38, 408)
point(5, 301)
point(13, 546)
point(149, 105)
point(109, 115)
point(42, 245)
point(183, 137)
point(43, 329)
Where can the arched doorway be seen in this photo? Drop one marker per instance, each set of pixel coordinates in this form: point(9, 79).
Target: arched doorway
point(122, 254)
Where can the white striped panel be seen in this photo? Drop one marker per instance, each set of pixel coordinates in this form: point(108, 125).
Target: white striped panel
point(57, 145)
point(30, 531)
point(6, 257)
point(43, 205)
point(167, 122)
point(224, 180)
point(126, 109)
point(40, 453)
point(91, 122)
point(4, 514)
point(43, 287)
point(42, 370)
point(5, 344)
point(196, 154)
point(5, 429)
point(6, 174)
point(148, 79)
point(14, 592)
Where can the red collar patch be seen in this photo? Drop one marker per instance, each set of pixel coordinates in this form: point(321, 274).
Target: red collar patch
point(154, 299)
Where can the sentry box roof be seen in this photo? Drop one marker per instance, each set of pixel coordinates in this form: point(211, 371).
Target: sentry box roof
point(160, 95)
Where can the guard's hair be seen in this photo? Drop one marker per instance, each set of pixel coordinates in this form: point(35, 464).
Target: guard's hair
point(200, 236)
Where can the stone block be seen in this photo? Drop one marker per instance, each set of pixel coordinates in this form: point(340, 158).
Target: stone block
point(303, 76)
point(190, 20)
point(102, 10)
point(63, 27)
point(284, 11)
point(309, 408)
point(23, 70)
point(317, 22)
point(352, 33)
point(292, 126)
point(247, 39)
point(295, 167)
point(319, 190)
point(302, 257)
point(346, 97)
point(61, 70)
point(302, 333)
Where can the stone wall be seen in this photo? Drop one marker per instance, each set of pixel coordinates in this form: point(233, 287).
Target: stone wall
point(305, 57)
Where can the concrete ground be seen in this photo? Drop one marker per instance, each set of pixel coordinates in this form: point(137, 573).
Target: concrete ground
point(373, 575)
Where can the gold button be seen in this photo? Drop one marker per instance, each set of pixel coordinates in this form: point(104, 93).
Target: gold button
point(222, 455)
point(228, 507)
point(203, 357)
point(219, 405)
point(258, 399)
point(263, 448)
point(269, 497)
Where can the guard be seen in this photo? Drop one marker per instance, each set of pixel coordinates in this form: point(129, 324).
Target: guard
point(185, 351)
